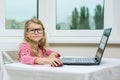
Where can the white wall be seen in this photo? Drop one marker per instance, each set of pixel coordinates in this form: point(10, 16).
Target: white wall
point(111, 51)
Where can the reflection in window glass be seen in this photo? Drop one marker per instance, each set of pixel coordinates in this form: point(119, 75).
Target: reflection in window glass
point(18, 11)
point(80, 14)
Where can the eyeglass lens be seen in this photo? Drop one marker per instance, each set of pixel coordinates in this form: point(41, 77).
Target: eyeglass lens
point(38, 30)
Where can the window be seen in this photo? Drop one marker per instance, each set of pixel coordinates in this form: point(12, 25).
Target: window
point(14, 14)
point(79, 14)
point(49, 13)
point(18, 11)
point(58, 34)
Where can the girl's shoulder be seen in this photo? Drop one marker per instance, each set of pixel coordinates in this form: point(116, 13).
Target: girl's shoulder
point(24, 45)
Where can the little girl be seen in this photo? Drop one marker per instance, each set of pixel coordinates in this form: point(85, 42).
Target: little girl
point(33, 50)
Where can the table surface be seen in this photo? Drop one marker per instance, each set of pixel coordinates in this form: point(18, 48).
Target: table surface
point(109, 69)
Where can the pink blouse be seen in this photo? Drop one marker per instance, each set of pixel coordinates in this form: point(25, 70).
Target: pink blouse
point(25, 54)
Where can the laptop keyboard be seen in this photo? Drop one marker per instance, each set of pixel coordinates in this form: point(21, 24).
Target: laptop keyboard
point(78, 60)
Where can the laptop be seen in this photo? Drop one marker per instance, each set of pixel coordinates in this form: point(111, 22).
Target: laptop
point(69, 60)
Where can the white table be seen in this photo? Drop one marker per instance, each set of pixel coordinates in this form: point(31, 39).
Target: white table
point(109, 69)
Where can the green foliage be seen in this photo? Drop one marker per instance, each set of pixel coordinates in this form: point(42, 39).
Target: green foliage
point(74, 19)
point(84, 18)
point(99, 17)
point(81, 20)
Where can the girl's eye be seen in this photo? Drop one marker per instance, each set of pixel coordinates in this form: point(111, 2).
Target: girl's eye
point(32, 30)
point(38, 30)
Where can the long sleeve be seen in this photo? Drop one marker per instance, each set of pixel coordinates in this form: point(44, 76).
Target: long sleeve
point(25, 54)
point(48, 51)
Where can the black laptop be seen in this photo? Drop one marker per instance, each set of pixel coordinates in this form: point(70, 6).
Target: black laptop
point(90, 61)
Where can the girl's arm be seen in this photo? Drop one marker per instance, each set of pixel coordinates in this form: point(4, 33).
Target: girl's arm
point(52, 59)
point(51, 53)
point(46, 60)
point(25, 55)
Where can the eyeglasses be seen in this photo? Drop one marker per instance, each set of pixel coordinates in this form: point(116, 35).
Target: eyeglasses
point(38, 30)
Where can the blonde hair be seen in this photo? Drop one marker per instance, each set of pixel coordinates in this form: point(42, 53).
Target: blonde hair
point(42, 42)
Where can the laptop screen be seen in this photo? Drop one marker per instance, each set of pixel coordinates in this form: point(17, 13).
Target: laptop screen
point(103, 44)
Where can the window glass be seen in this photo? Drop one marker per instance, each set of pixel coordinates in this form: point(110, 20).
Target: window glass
point(18, 11)
point(80, 14)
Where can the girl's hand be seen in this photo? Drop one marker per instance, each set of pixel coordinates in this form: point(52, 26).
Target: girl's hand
point(53, 61)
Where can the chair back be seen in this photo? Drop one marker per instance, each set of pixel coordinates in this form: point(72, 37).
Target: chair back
point(10, 46)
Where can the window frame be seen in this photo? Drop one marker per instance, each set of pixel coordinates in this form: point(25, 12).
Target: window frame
point(91, 36)
point(47, 16)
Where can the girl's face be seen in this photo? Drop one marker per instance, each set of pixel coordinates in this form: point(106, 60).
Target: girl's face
point(35, 32)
